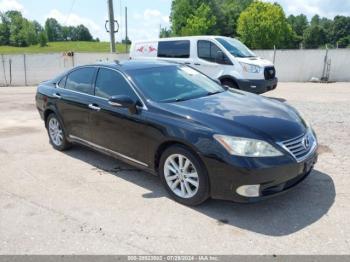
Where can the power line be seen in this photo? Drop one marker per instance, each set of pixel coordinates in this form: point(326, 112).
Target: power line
point(70, 11)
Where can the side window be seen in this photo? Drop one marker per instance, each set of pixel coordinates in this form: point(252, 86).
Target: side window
point(80, 80)
point(62, 82)
point(204, 50)
point(210, 52)
point(111, 83)
point(174, 49)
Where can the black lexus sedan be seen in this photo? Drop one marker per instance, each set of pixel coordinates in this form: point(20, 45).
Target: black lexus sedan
point(202, 139)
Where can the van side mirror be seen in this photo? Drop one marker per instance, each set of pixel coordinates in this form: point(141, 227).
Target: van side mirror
point(220, 57)
point(124, 102)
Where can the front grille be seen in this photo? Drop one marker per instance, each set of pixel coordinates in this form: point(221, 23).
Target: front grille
point(300, 147)
point(270, 73)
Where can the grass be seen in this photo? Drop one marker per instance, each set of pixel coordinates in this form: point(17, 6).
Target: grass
point(58, 47)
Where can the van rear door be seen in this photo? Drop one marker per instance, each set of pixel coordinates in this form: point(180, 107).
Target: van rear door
point(145, 50)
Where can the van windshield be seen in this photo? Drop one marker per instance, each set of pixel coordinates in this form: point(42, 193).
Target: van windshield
point(235, 47)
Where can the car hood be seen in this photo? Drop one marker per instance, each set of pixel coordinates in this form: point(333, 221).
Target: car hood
point(243, 114)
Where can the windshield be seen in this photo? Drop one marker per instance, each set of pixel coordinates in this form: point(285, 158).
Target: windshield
point(235, 47)
point(174, 83)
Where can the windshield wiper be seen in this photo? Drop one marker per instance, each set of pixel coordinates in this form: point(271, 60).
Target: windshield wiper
point(214, 93)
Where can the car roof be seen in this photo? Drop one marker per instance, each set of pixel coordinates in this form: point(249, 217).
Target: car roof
point(131, 65)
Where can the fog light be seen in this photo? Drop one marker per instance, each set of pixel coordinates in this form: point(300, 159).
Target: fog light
point(249, 190)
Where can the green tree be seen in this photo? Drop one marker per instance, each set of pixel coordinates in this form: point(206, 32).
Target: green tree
point(4, 30)
point(165, 32)
point(315, 20)
point(30, 32)
point(38, 27)
point(340, 28)
point(181, 10)
point(83, 33)
point(53, 30)
point(43, 39)
point(299, 23)
point(344, 42)
point(263, 25)
point(226, 13)
point(314, 37)
point(231, 10)
point(200, 23)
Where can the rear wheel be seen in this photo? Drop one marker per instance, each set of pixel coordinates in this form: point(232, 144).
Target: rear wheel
point(184, 176)
point(56, 133)
point(230, 83)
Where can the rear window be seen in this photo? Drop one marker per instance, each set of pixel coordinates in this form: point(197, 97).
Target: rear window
point(174, 49)
point(80, 80)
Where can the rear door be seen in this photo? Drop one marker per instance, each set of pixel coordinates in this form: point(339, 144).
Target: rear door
point(115, 128)
point(74, 97)
point(210, 59)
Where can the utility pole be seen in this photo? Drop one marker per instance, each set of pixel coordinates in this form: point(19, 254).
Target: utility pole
point(126, 30)
point(111, 25)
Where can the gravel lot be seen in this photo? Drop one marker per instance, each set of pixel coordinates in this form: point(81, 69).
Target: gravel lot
point(82, 202)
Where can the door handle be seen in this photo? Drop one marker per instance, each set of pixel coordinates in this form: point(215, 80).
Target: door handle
point(94, 107)
point(187, 63)
point(56, 95)
point(197, 64)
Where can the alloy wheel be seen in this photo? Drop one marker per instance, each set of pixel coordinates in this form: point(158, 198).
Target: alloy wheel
point(55, 131)
point(181, 176)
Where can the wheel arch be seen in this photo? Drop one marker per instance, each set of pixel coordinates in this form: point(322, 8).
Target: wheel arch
point(168, 143)
point(48, 111)
point(229, 78)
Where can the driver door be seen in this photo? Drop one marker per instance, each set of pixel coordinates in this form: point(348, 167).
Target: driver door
point(115, 128)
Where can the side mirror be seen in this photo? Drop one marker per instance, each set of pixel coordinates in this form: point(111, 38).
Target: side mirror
point(124, 102)
point(220, 57)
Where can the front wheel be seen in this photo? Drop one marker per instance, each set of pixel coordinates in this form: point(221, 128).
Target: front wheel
point(229, 83)
point(184, 176)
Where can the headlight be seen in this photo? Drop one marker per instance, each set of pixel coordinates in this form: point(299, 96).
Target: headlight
point(251, 68)
point(240, 146)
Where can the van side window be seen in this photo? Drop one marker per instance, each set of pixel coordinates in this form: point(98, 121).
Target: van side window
point(80, 80)
point(174, 49)
point(209, 52)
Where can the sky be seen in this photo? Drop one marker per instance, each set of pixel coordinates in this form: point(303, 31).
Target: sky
point(144, 16)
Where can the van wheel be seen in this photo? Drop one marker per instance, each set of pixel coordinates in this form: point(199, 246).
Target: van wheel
point(229, 83)
point(184, 176)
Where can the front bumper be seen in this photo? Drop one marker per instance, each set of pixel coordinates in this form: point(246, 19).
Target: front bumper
point(226, 178)
point(257, 86)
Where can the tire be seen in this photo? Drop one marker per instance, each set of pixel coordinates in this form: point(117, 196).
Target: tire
point(190, 190)
point(229, 83)
point(56, 133)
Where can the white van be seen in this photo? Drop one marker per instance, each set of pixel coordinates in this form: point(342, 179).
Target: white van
point(221, 58)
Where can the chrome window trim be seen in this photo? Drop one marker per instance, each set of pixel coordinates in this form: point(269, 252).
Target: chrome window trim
point(93, 145)
point(143, 107)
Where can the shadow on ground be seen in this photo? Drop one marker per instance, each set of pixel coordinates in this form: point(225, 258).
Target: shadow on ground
point(279, 216)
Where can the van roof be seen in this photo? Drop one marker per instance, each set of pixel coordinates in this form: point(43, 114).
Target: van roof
point(181, 38)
